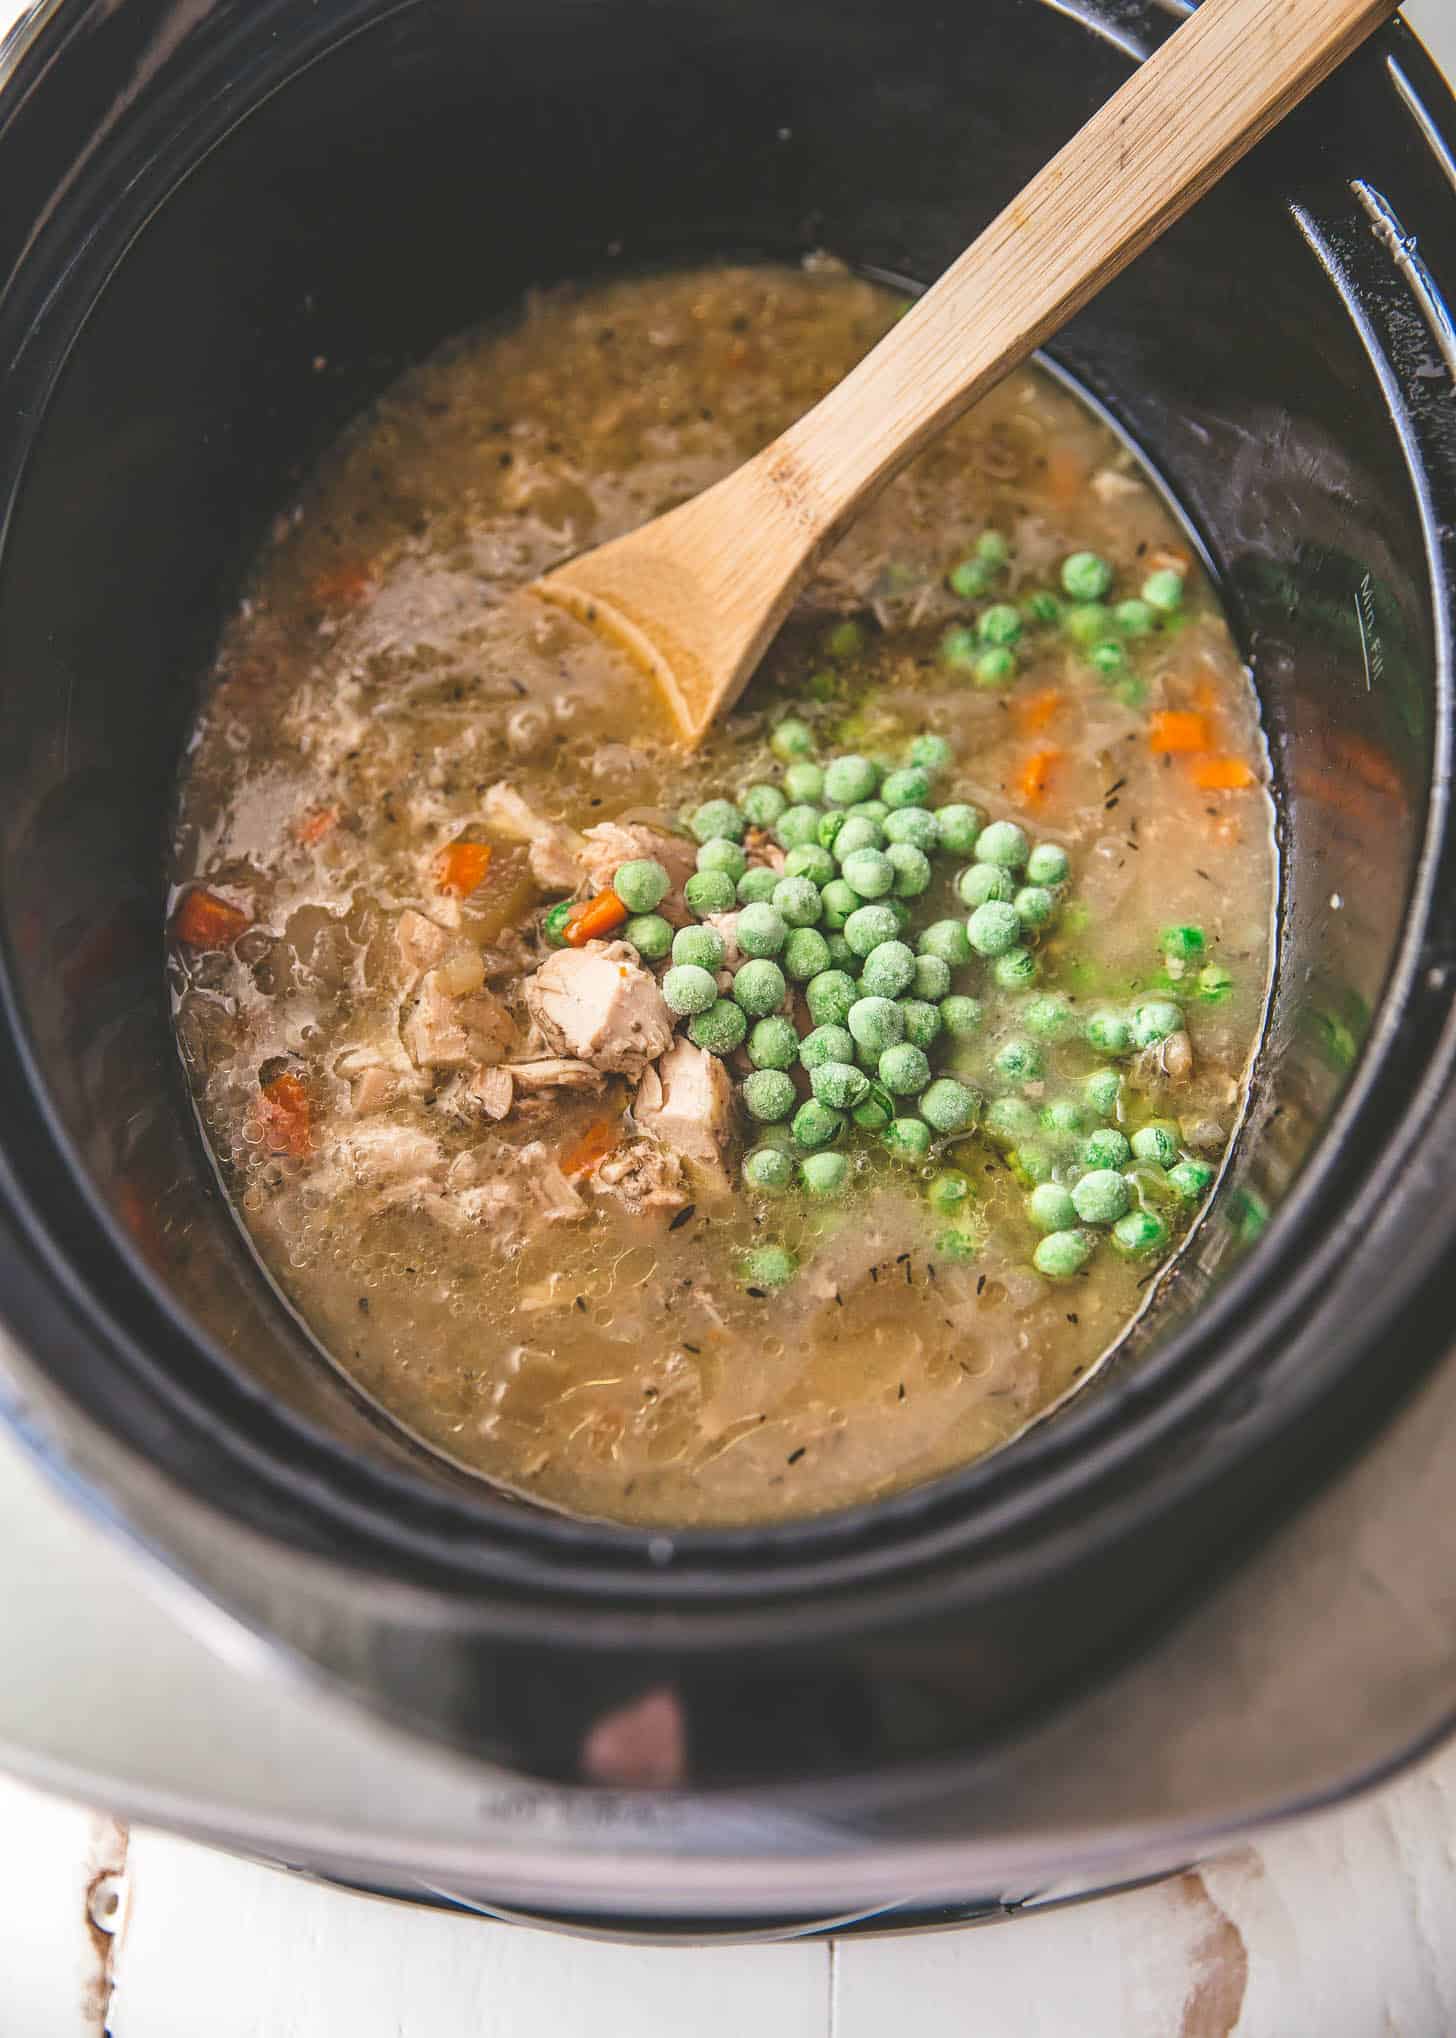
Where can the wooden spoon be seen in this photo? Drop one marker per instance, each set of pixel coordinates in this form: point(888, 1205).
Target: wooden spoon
point(697, 595)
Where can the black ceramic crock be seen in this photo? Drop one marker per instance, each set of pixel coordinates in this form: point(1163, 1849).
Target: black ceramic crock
point(226, 224)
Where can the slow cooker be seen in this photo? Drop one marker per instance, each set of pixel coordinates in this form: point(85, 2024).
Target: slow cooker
point(1221, 1583)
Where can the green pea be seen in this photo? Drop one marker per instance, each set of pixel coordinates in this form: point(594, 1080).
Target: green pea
point(1154, 1020)
point(1019, 1061)
point(876, 1023)
point(1157, 1141)
point(762, 805)
point(840, 1084)
point(907, 1139)
point(1049, 1016)
point(969, 579)
point(1063, 1118)
point(1010, 1119)
point(1108, 659)
point(1016, 969)
point(710, 891)
point(773, 1044)
point(847, 779)
point(1214, 984)
point(792, 740)
point(650, 935)
point(1047, 865)
point(756, 886)
point(868, 926)
point(1106, 1148)
point(931, 980)
point(911, 867)
point(1086, 577)
point(960, 647)
point(922, 1022)
point(806, 954)
point(1135, 618)
point(816, 1125)
point(1108, 1031)
point(1050, 1208)
point(993, 929)
point(715, 818)
point(858, 832)
point(888, 970)
point(949, 1106)
point(931, 752)
point(870, 810)
point(1103, 1091)
point(1101, 1196)
point(915, 825)
point(830, 823)
point(993, 550)
point(762, 929)
point(995, 666)
point(841, 955)
point(1192, 1179)
point(796, 900)
point(797, 825)
point(1184, 944)
point(769, 1095)
point(844, 639)
point(1131, 691)
point(960, 824)
point(958, 1244)
point(1042, 608)
point(689, 989)
point(768, 1171)
point(769, 1266)
point(1089, 623)
point(829, 995)
point(1163, 591)
point(829, 1042)
point(1139, 1233)
point(1034, 904)
point(825, 1175)
point(643, 884)
point(720, 1029)
point(878, 1108)
point(869, 872)
point(949, 1192)
point(837, 901)
point(804, 784)
point(983, 885)
point(960, 1016)
point(999, 625)
point(1032, 1163)
point(1003, 844)
point(719, 854)
point(808, 860)
point(553, 925)
point(908, 787)
point(701, 945)
point(948, 941)
point(759, 987)
point(1061, 1254)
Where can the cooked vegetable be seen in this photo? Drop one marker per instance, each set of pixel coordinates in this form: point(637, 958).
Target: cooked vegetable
point(460, 868)
point(596, 918)
point(203, 920)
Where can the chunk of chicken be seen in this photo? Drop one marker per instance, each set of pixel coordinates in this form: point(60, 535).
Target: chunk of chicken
point(389, 1153)
point(554, 1073)
point(596, 1004)
point(442, 1032)
point(421, 942)
point(644, 1176)
point(556, 1200)
point(556, 850)
point(378, 1074)
point(494, 1091)
point(686, 1102)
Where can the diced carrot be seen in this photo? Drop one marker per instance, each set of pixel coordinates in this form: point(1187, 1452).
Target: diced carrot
point(343, 588)
point(1373, 765)
point(1036, 711)
point(1065, 476)
point(1167, 559)
point(284, 1114)
point(312, 827)
point(203, 920)
point(1221, 774)
point(1176, 729)
point(1035, 775)
point(596, 917)
point(593, 1146)
point(460, 867)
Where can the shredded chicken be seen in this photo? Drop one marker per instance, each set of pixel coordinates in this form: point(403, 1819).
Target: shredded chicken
point(421, 942)
point(644, 1176)
point(494, 1090)
point(554, 1073)
point(442, 1032)
point(596, 1004)
point(686, 1102)
point(556, 850)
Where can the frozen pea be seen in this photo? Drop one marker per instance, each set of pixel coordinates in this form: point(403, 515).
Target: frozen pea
point(859, 832)
point(721, 854)
point(710, 891)
point(701, 945)
point(844, 639)
point(908, 787)
point(1047, 865)
point(931, 980)
point(808, 860)
point(755, 887)
point(768, 1171)
point(1157, 1141)
point(1019, 1061)
point(958, 1244)
point(829, 1042)
point(841, 955)
point(931, 752)
point(825, 1175)
point(1163, 590)
point(1139, 1233)
point(960, 824)
point(1131, 691)
point(1032, 1162)
point(868, 926)
point(796, 900)
point(1061, 1254)
point(759, 987)
point(1050, 1208)
point(804, 784)
point(830, 823)
point(1153, 1020)
point(769, 1266)
point(1088, 623)
point(791, 740)
point(1108, 1031)
point(1085, 576)
point(947, 941)
point(837, 901)
point(870, 810)
point(907, 1139)
point(949, 1106)
point(847, 779)
point(1103, 1091)
point(1192, 1179)
point(840, 1084)
point(869, 872)
point(878, 1108)
point(1034, 904)
point(993, 929)
point(689, 989)
point(1048, 1016)
point(553, 924)
point(762, 805)
point(1009, 1119)
point(1135, 618)
point(806, 955)
point(773, 1044)
point(1184, 944)
point(717, 817)
point(1214, 984)
point(769, 1095)
point(960, 647)
point(1063, 1118)
point(1042, 607)
point(1000, 624)
point(876, 1023)
point(949, 1192)
point(915, 825)
point(911, 867)
point(1106, 1148)
point(922, 1022)
point(1101, 1196)
point(642, 884)
point(984, 885)
point(817, 1125)
point(1003, 844)
point(829, 996)
point(960, 1016)
point(762, 929)
point(1108, 658)
point(995, 666)
point(888, 970)
point(720, 1029)
point(797, 825)
point(969, 578)
point(650, 935)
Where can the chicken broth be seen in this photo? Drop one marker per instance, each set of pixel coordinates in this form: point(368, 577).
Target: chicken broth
point(721, 1138)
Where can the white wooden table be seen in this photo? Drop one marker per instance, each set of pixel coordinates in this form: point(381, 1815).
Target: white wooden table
point(1341, 1927)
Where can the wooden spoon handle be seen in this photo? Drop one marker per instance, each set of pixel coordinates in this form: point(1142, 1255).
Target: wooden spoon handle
point(1217, 86)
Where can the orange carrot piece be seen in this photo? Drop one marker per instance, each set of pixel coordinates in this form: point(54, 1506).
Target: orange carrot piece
point(1167, 559)
point(1373, 765)
point(1035, 775)
point(597, 916)
point(1065, 476)
point(1035, 712)
point(460, 867)
point(1176, 729)
point(594, 1145)
point(1221, 774)
point(284, 1114)
point(311, 829)
point(203, 920)
point(342, 588)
